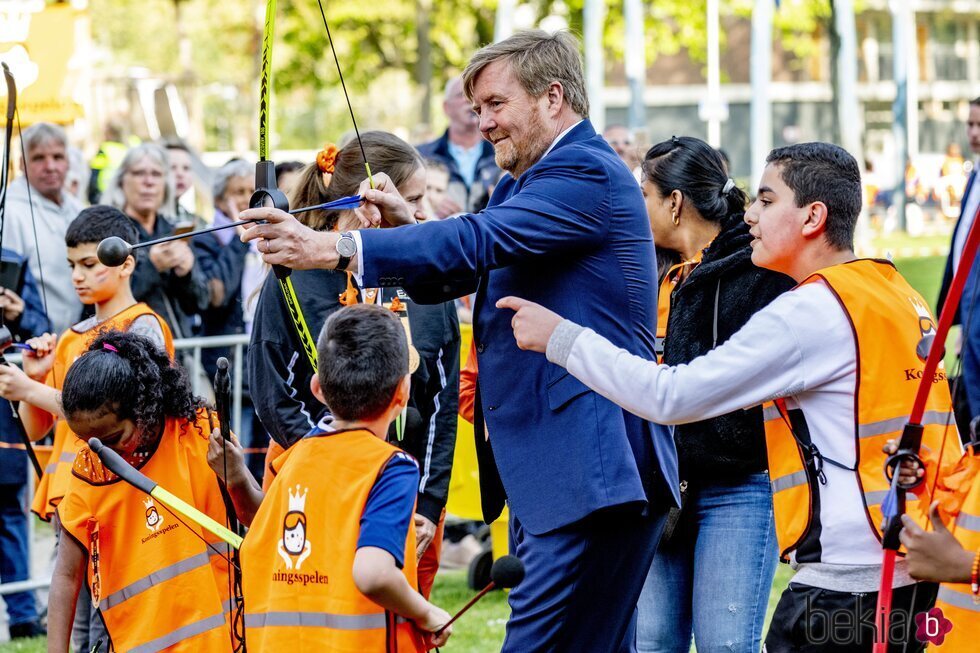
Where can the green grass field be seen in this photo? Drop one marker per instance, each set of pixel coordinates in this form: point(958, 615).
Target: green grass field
point(482, 629)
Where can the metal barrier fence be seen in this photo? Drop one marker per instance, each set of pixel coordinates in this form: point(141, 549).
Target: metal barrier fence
point(200, 385)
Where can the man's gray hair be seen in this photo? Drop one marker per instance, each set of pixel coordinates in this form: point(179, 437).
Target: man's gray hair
point(114, 196)
point(452, 81)
point(224, 174)
point(538, 59)
point(42, 133)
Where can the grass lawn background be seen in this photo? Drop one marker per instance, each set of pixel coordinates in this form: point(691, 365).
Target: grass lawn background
point(482, 628)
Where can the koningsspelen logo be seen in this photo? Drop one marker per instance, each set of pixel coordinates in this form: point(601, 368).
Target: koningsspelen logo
point(932, 626)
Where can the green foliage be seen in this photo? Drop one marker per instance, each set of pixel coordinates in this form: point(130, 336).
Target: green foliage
point(377, 44)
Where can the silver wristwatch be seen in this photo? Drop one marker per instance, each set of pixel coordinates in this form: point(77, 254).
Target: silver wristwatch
point(346, 250)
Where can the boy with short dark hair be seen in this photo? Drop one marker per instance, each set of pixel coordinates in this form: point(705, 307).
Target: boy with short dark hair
point(329, 560)
point(840, 350)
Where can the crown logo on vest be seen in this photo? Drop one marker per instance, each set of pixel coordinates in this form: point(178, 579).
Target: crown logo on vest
point(293, 547)
point(154, 520)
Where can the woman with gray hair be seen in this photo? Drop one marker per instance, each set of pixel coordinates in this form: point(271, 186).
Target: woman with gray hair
point(167, 276)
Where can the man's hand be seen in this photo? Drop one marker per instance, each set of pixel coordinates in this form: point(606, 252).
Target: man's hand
point(425, 530)
point(217, 449)
point(533, 324)
point(282, 240)
point(39, 360)
point(935, 555)
point(434, 619)
point(11, 304)
point(383, 205)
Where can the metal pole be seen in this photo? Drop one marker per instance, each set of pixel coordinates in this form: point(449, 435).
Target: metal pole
point(761, 75)
point(636, 64)
point(503, 25)
point(912, 79)
point(714, 77)
point(849, 115)
point(900, 106)
point(236, 381)
point(594, 18)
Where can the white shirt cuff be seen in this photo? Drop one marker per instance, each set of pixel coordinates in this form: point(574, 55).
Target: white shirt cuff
point(359, 258)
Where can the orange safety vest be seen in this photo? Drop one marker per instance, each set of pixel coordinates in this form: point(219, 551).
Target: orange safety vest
point(156, 583)
point(667, 287)
point(71, 345)
point(298, 556)
point(888, 319)
point(956, 600)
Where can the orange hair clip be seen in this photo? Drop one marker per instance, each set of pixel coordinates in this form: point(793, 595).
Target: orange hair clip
point(326, 159)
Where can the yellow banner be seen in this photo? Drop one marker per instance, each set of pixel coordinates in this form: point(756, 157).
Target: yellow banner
point(40, 66)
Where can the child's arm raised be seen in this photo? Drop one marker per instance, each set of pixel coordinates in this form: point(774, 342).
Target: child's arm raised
point(378, 578)
point(65, 585)
point(244, 491)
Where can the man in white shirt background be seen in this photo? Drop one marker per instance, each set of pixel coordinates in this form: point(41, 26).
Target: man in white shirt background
point(467, 156)
point(38, 199)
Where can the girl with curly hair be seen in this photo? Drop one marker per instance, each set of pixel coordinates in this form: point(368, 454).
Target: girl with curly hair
point(157, 581)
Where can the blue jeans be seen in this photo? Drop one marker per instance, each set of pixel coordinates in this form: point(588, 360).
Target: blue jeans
point(713, 576)
point(21, 607)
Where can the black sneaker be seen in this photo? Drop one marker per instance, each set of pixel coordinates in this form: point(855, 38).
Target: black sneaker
point(27, 629)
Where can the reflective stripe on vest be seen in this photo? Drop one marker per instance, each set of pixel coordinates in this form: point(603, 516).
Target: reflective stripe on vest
point(789, 481)
point(63, 457)
point(182, 633)
point(962, 600)
point(317, 620)
point(876, 300)
point(156, 578)
point(898, 423)
point(968, 522)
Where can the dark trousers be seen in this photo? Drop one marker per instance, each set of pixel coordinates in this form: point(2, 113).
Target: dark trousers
point(808, 619)
point(21, 607)
point(582, 584)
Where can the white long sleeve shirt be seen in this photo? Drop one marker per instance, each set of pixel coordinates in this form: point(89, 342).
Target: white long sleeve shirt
point(800, 347)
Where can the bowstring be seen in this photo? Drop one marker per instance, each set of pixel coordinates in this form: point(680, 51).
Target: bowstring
point(30, 203)
point(343, 87)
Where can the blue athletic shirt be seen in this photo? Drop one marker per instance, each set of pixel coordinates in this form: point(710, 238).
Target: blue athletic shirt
point(389, 511)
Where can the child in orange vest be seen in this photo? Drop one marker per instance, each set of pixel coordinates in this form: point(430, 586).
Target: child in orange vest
point(159, 581)
point(329, 560)
point(839, 354)
point(38, 386)
point(950, 556)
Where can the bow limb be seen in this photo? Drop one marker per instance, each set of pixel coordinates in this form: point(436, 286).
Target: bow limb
point(5, 335)
point(893, 507)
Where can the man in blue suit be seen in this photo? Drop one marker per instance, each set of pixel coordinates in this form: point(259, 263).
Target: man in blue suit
point(970, 349)
point(588, 483)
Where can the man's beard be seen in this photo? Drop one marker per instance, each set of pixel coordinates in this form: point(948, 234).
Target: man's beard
point(515, 156)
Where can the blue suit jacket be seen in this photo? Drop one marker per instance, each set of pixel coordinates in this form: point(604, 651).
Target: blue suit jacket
point(571, 233)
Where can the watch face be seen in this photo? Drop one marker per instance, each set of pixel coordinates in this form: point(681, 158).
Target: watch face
point(346, 246)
